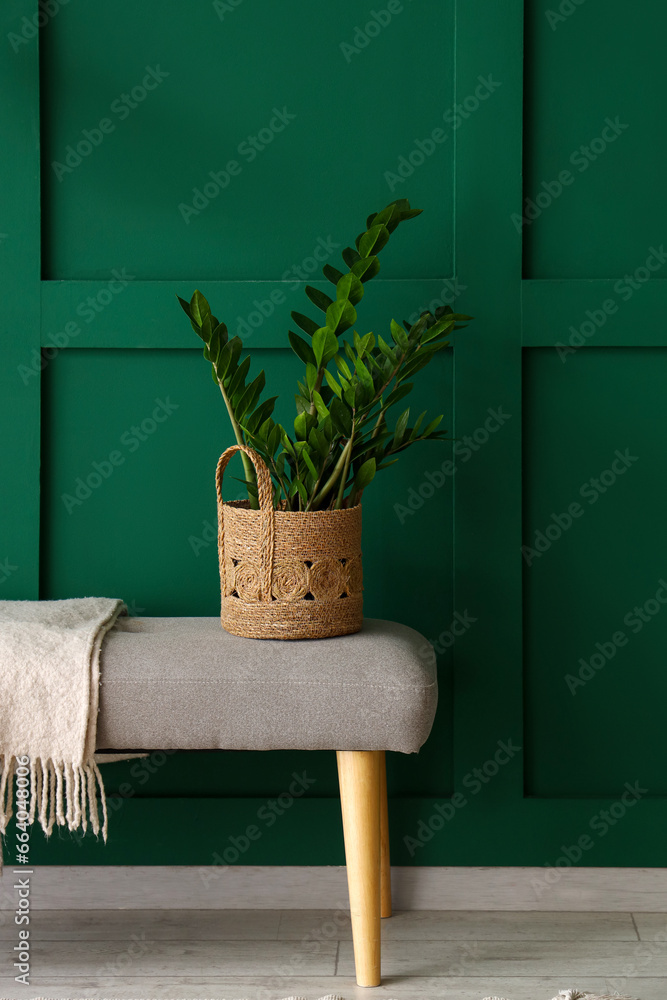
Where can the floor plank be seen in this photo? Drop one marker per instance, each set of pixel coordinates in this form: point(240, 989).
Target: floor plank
point(167, 925)
point(94, 887)
point(143, 957)
point(651, 925)
point(261, 988)
point(563, 959)
point(457, 925)
point(271, 954)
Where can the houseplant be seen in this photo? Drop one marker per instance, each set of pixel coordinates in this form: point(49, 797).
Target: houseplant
point(317, 473)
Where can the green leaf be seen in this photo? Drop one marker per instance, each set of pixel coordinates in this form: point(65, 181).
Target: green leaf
point(373, 240)
point(350, 287)
point(214, 347)
point(332, 383)
point(378, 364)
point(428, 430)
point(274, 439)
point(249, 396)
point(301, 348)
point(443, 325)
point(304, 322)
point(287, 444)
point(228, 358)
point(365, 376)
point(340, 316)
point(261, 416)
point(362, 395)
point(298, 487)
point(366, 446)
point(320, 299)
point(186, 307)
point(399, 336)
point(401, 425)
point(366, 269)
point(418, 423)
point(420, 360)
point(419, 327)
point(238, 379)
point(332, 274)
point(325, 345)
point(411, 214)
point(311, 377)
point(220, 331)
point(341, 417)
point(251, 487)
point(199, 307)
point(398, 394)
point(302, 403)
point(342, 366)
point(322, 411)
point(309, 463)
point(350, 256)
point(385, 366)
point(300, 426)
point(388, 351)
point(364, 475)
point(386, 215)
point(206, 328)
point(319, 440)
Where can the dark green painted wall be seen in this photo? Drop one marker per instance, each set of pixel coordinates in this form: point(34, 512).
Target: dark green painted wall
point(566, 351)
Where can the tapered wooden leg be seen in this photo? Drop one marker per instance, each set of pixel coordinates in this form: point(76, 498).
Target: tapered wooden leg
point(385, 863)
point(359, 779)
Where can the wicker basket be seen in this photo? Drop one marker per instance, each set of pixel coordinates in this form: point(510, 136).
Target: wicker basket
point(286, 574)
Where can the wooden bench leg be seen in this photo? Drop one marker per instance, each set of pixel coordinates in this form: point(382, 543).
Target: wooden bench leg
point(359, 779)
point(385, 863)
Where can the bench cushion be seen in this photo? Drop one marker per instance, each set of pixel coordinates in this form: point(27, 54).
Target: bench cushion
point(185, 683)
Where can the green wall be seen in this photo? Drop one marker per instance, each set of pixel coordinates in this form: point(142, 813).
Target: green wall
point(543, 216)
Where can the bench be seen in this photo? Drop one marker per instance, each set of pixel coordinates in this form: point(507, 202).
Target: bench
point(186, 684)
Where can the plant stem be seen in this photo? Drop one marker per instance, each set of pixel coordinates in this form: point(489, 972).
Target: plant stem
point(248, 467)
point(346, 469)
point(333, 478)
point(378, 423)
point(309, 505)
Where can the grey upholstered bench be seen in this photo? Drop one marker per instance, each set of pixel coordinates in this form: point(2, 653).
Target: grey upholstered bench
point(186, 684)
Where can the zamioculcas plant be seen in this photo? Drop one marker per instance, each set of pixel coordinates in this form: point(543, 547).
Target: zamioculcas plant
point(343, 432)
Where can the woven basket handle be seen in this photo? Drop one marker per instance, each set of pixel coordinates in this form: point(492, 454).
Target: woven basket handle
point(265, 496)
point(264, 487)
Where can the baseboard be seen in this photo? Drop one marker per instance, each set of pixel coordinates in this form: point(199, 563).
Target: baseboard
point(293, 887)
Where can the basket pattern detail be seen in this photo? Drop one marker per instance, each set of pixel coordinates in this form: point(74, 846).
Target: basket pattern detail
point(287, 574)
point(293, 580)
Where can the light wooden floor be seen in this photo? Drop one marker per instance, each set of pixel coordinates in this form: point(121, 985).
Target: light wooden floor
point(270, 954)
